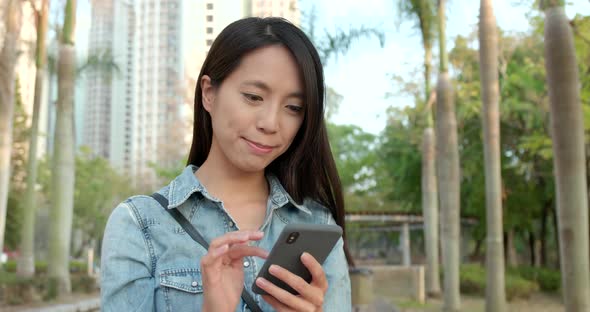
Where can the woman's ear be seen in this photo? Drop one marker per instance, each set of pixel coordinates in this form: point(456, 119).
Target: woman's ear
point(207, 93)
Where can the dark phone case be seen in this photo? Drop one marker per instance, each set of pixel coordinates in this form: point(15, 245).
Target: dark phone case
point(315, 239)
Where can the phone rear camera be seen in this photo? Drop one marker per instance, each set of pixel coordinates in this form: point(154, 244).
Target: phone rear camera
point(292, 237)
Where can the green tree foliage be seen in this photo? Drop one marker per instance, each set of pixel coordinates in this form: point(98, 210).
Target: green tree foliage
point(17, 184)
point(358, 166)
point(527, 169)
point(98, 188)
point(401, 159)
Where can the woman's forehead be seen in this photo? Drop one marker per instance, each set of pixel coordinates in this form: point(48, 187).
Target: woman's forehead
point(268, 68)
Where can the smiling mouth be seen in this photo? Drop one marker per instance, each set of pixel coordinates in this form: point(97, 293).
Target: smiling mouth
point(259, 148)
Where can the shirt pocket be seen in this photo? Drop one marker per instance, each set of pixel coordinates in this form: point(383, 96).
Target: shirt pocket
point(182, 288)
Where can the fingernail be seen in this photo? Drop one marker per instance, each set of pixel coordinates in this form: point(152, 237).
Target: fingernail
point(221, 249)
point(273, 269)
point(305, 256)
point(261, 281)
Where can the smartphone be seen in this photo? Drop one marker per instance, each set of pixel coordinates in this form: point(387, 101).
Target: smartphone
point(295, 239)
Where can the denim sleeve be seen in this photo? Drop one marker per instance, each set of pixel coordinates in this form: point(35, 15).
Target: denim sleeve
point(336, 267)
point(127, 281)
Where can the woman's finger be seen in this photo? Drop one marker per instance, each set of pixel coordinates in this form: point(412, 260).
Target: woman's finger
point(309, 292)
point(213, 255)
point(318, 276)
point(234, 252)
point(241, 251)
point(284, 297)
point(235, 237)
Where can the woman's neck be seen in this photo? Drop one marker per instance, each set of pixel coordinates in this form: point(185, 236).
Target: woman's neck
point(231, 184)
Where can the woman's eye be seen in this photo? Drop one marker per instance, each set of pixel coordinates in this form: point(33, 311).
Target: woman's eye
point(252, 97)
point(295, 108)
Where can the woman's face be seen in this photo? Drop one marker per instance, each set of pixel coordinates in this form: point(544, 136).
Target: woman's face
point(257, 110)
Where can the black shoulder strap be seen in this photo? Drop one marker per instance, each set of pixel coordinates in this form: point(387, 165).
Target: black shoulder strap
point(197, 237)
point(188, 228)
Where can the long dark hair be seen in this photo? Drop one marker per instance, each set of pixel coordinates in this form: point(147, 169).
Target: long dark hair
point(307, 169)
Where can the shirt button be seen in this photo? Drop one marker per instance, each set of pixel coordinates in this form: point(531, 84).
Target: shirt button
point(246, 263)
point(194, 284)
point(231, 224)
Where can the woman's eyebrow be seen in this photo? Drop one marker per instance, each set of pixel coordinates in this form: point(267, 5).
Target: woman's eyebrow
point(261, 85)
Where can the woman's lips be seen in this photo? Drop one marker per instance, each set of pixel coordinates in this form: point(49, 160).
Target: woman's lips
point(259, 148)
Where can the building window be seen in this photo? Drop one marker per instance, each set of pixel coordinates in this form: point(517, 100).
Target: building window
point(209, 6)
point(209, 30)
point(209, 18)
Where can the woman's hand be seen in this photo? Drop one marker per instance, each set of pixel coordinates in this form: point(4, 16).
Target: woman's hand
point(311, 295)
point(222, 269)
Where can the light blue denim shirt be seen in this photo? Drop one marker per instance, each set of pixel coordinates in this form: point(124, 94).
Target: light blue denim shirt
point(150, 264)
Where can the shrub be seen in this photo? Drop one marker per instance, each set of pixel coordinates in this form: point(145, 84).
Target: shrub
point(41, 266)
point(17, 290)
point(78, 266)
point(473, 281)
point(83, 283)
point(548, 280)
point(518, 287)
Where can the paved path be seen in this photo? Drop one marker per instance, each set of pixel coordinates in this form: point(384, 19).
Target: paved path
point(84, 305)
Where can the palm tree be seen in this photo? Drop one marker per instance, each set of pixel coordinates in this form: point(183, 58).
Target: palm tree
point(26, 263)
point(568, 149)
point(63, 170)
point(8, 57)
point(448, 173)
point(423, 12)
point(332, 44)
point(488, 56)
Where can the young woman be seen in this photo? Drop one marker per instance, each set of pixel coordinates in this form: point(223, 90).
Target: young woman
point(260, 159)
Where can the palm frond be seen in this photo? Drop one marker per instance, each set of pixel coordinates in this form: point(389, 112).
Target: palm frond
point(101, 62)
point(339, 42)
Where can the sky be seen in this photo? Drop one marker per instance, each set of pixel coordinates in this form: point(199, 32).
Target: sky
point(363, 75)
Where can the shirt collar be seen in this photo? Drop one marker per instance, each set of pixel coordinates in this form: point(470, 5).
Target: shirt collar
point(186, 184)
point(280, 197)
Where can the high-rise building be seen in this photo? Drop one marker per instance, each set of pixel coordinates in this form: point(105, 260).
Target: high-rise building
point(132, 115)
point(157, 123)
point(205, 19)
point(141, 115)
point(288, 9)
point(98, 107)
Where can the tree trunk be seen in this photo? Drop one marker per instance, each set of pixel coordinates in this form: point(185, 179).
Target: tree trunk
point(511, 256)
point(448, 181)
point(532, 248)
point(544, 218)
point(8, 58)
point(556, 237)
point(568, 149)
point(429, 187)
point(63, 172)
point(537, 245)
point(26, 261)
point(430, 211)
point(448, 175)
point(488, 55)
point(427, 70)
point(477, 249)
